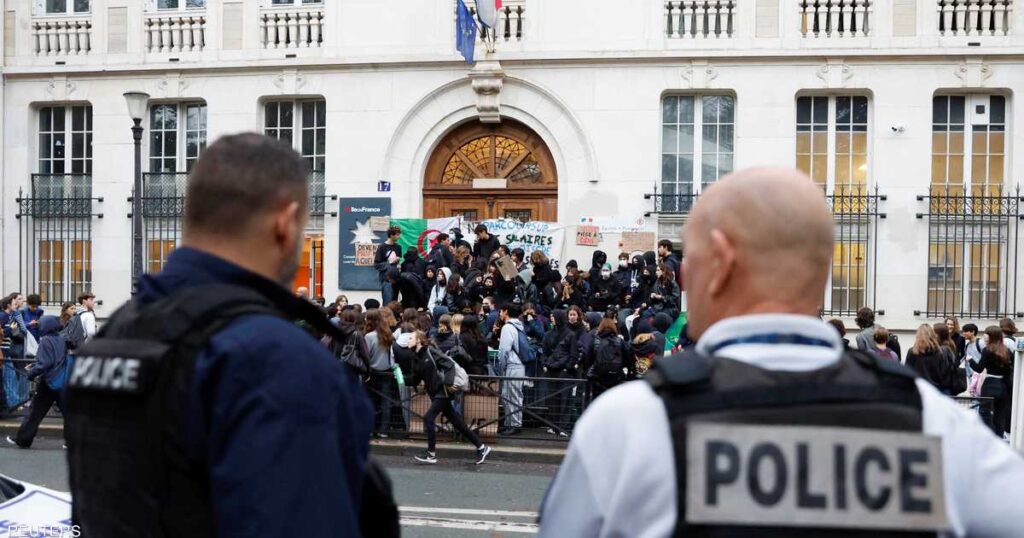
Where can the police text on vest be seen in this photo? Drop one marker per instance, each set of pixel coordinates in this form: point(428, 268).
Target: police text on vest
point(788, 476)
point(116, 374)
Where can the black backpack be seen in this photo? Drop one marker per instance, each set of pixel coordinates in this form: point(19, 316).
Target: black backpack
point(74, 332)
point(608, 358)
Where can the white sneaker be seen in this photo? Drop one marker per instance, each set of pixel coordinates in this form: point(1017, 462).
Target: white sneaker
point(552, 431)
point(482, 452)
point(426, 457)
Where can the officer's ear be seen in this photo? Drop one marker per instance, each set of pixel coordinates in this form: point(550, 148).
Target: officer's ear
point(288, 224)
point(723, 262)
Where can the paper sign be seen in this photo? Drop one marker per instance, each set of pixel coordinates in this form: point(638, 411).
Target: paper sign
point(507, 268)
point(615, 224)
point(364, 254)
point(588, 236)
point(637, 241)
point(380, 224)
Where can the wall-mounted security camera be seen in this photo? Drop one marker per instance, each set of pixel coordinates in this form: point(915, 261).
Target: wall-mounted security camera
point(898, 129)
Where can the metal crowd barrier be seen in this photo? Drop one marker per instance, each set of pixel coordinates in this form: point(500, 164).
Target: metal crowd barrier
point(985, 407)
point(547, 411)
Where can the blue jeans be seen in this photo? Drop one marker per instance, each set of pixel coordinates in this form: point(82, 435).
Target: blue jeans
point(387, 293)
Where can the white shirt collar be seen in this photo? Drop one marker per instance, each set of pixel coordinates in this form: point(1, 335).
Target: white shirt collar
point(794, 357)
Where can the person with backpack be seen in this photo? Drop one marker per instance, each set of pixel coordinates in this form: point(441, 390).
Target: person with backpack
point(997, 364)
point(261, 431)
point(605, 358)
point(351, 348)
point(86, 312)
point(514, 351)
point(441, 255)
point(52, 365)
point(440, 374)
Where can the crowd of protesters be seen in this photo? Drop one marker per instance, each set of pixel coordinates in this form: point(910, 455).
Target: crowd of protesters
point(957, 360)
point(505, 312)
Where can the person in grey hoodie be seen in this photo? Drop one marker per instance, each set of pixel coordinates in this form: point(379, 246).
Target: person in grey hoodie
point(510, 364)
point(51, 359)
point(379, 339)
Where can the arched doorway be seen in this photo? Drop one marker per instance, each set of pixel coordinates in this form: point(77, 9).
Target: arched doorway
point(486, 171)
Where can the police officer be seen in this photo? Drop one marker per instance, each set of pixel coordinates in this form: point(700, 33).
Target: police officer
point(201, 408)
point(769, 428)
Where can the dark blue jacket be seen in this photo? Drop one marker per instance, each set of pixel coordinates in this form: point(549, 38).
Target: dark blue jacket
point(288, 426)
point(53, 352)
point(29, 316)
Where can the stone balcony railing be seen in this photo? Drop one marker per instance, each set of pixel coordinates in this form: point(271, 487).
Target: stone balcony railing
point(835, 18)
point(700, 19)
point(292, 27)
point(175, 32)
point(511, 23)
point(62, 36)
point(974, 17)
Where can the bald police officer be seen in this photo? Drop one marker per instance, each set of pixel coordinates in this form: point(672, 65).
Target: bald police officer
point(769, 428)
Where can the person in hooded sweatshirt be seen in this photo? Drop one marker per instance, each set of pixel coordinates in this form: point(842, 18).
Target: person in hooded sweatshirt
point(412, 263)
point(605, 291)
point(561, 353)
point(661, 323)
point(455, 294)
point(597, 263)
point(50, 364)
point(439, 291)
point(632, 289)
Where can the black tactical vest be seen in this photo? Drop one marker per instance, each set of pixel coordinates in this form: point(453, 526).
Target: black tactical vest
point(831, 452)
point(130, 470)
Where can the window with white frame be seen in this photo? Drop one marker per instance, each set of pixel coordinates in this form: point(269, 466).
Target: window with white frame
point(177, 135)
point(61, 127)
point(303, 124)
point(832, 149)
point(697, 146)
point(971, 213)
point(178, 5)
point(65, 7)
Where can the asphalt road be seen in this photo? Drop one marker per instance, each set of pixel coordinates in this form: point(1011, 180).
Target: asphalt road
point(454, 498)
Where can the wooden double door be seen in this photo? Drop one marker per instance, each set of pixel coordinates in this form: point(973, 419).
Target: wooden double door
point(490, 171)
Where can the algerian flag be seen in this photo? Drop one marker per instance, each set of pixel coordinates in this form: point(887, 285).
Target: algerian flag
point(421, 233)
point(487, 11)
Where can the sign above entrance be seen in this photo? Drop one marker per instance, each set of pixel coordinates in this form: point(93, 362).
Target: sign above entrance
point(490, 183)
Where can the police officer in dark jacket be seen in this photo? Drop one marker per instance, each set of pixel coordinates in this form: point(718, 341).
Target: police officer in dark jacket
point(241, 425)
point(769, 428)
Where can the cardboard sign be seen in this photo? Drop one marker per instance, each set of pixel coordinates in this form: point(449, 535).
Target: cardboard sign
point(364, 254)
point(588, 236)
point(477, 409)
point(380, 224)
point(507, 268)
point(637, 241)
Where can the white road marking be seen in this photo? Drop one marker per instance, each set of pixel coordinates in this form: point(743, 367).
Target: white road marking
point(469, 524)
point(466, 511)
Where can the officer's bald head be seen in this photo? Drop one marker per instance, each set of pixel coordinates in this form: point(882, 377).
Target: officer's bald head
point(758, 241)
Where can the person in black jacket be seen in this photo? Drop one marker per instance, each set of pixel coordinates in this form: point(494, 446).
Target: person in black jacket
point(50, 364)
point(486, 244)
point(388, 254)
point(430, 368)
point(665, 296)
point(441, 254)
point(927, 358)
point(667, 257)
point(407, 288)
point(606, 357)
point(411, 263)
point(597, 264)
point(996, 362)
point(605, 290)
point(352, 348)
point(561, 353)
point(474, 344)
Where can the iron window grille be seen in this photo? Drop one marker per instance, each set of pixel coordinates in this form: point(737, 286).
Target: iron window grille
point(55, 236)
point(853, 281)
point(974, 251)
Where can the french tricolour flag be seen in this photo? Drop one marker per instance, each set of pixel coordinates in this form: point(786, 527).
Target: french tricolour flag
point(487, 11)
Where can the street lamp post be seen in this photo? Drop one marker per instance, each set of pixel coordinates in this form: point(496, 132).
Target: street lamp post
point(137, 102)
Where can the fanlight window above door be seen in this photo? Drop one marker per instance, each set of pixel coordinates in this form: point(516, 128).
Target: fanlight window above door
point(493, 156)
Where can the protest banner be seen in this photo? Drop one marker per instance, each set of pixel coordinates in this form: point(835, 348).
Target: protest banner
point(364, 254)
point(532, 236)
point(637, 241)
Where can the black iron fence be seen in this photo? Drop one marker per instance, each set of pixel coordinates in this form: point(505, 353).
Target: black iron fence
point(853, 276)
point(973, 252)
point(163, 209)
point(55, 236)
point(669, 204)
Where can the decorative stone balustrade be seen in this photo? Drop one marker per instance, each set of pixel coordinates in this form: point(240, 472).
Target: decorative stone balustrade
point(699, 19)
point(974, 17)
point(292, 28)
point(835, 18)
point(61, 37)
point(175, 32)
